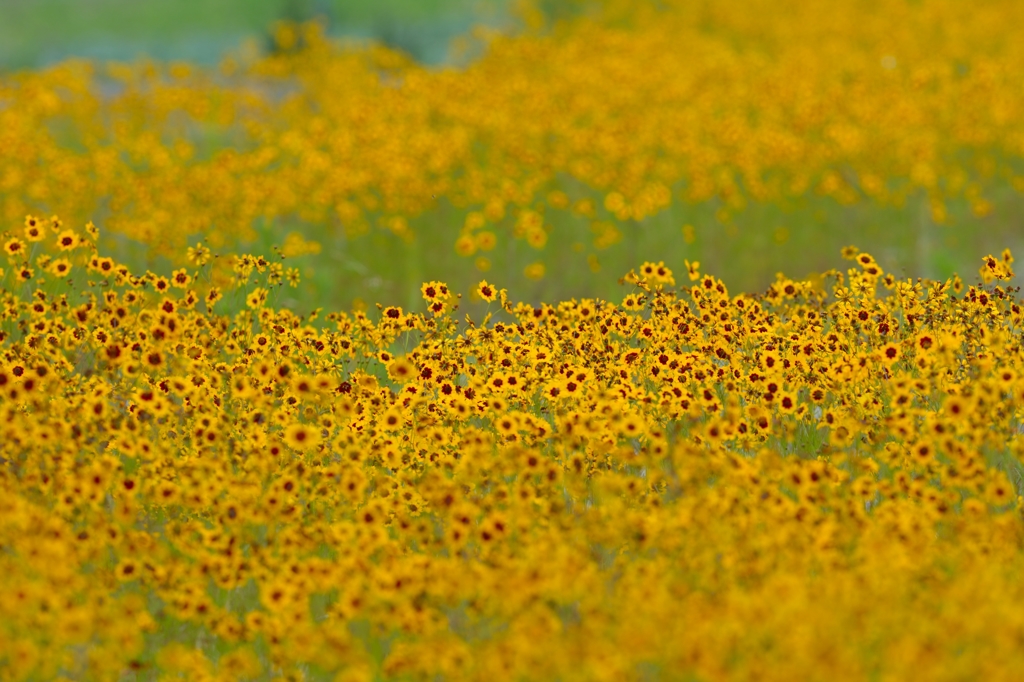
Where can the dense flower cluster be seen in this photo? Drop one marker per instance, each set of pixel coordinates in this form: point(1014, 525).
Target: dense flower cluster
point(614, 116)
point(805, 483)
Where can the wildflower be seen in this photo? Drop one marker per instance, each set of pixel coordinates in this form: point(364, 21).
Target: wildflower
point(67, 240)
point(391, 420)
point(486, 291)
point(14, 247)
point(34, 230)
point(534, 271)
point(486, 240)
point(127, 570)
point(199, 255)
point(633, 303)
point(401, 370)
point(181, 279)
point(465, 245)
point(890, 353)
point(429, 291)
point(256, 298)
point(60, 267)
point(994, 268)
point(301, 437)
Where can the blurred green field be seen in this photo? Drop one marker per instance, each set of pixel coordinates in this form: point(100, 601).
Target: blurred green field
point(39, 32)
point(747, 250)
point(799, 241)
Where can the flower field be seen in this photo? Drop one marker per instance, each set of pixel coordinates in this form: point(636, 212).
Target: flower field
point(218, 462)
point(582, 148)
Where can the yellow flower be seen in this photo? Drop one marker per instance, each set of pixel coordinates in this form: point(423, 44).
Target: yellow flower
point(391, 420)
point(213, 295)
point(465, 245)
point(60, 267)
point(256, 298)
point(199, 255)
point(302, 437)
point(486, 291)
point(486, 240)
point(890, 353)
point(34, 231)
point(14, 247)
point(67, 240)
point(434, 291)
point(402, 370)
point(534, 271)
point(181, 279)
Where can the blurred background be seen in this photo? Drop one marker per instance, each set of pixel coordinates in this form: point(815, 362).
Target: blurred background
point(917, 160)
point(37, 33)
